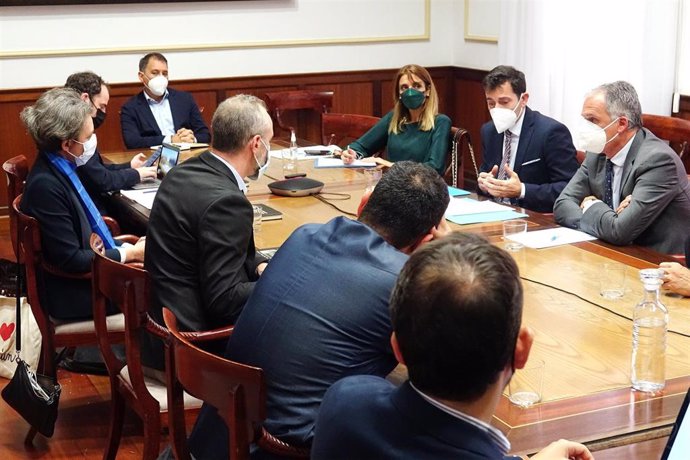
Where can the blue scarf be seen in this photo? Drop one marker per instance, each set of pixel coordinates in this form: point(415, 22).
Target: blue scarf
point(98, 225)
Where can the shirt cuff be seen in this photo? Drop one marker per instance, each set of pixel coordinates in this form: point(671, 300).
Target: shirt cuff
point(123, 253)
point(168, 139)
point(522, 192)
point(588, 205)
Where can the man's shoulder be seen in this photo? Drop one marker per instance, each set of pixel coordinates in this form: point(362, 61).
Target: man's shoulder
point(180, 95)
point(545, 122)
point(361, 391)
point(129, 103)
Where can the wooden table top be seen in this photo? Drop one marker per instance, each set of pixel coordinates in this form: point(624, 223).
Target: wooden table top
point(585, 340)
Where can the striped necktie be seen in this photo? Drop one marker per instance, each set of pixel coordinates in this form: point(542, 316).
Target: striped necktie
point(502, 174)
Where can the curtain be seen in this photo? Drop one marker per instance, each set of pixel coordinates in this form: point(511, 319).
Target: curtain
point(568, 47)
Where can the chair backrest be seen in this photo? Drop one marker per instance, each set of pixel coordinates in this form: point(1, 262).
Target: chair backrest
point(672, 129)
point(16, 168)
point(343, 128)
point(459, 142)
point(281, 102)
point(238, 391)
point(127, 287)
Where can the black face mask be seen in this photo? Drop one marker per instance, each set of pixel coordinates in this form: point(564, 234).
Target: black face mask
point(98, 119)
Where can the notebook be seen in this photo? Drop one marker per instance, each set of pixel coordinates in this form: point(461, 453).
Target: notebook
point(678, 445)
point(170, 155)
point(268, 213)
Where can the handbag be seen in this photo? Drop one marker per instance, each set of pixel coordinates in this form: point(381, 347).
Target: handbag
point(34, 396)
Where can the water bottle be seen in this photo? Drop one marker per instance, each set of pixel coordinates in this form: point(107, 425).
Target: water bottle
point(650, 323)
point(289, 163)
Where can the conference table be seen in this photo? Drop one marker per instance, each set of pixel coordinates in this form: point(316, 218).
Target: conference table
point(584, 339)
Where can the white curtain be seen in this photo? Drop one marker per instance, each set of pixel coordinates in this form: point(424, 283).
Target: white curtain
point(567, 47)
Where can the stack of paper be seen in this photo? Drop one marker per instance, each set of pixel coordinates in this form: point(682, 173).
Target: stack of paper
point(551, 237)
point(468, 211)
point(143, 197)
point(307, 153)
point(338, 163)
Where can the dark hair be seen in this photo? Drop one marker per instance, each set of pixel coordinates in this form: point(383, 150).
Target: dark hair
point(502, 74)
point(407, 202)
point(85, 82)
point(456, 311)
point(143, 62)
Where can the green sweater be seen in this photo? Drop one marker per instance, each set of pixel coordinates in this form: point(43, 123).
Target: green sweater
point(426, 147)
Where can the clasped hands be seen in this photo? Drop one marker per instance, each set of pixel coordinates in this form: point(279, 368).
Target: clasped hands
point(509, 188)
point(184, 135)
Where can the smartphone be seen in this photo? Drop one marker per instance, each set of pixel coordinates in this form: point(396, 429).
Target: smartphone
point(154, 156)
point(317, 152)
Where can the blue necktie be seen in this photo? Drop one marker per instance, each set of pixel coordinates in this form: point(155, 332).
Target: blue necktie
point(608, 191)
point(95, 219)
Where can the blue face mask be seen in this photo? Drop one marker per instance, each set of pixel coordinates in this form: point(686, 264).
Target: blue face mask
point(259, 168)
point(412, 98)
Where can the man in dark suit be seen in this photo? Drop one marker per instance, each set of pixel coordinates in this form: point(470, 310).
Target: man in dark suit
point(200, 254)
point(632, 187)
point(528, 157)
point(461, 342)
point(320, 311)
point(97, 176)
point(159, 114)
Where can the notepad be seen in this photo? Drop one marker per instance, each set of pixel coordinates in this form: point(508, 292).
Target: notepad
point(466, 206)
point(143, 197)
point(268, 213)
point(482, 217)
point(453, 191)
point(539, 239)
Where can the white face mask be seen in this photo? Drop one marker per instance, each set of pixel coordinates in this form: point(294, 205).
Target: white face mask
point(89, 150)
point(591, 137)
point(261, 169)
point(158, 85)
point(504, 118)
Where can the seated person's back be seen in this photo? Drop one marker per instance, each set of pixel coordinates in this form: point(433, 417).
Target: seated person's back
point(320, 310)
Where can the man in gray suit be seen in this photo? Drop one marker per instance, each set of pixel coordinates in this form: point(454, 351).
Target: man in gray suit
point(632, 187)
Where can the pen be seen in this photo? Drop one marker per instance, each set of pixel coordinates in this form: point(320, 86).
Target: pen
point(150, 191)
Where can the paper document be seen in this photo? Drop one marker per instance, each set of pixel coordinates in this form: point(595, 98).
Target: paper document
point(465, 206)
point(143, 197)
point(453, 191)
point(551, 237)
point(338, 163)
point(307, 153)
point(184, 145)
point(483, 217)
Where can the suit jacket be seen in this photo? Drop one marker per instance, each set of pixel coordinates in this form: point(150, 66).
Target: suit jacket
point(545, 159)
point(65, 232)
point(200, 245)
point(99, 178)
point(139, 127)
point(659, 213)
point(367, 417)
point(318, 313)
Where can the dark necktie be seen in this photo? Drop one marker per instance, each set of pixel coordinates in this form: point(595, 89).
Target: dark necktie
point(608, 190)
point(502, 174)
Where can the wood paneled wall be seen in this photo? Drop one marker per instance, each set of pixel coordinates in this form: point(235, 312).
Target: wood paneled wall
point(362, 92)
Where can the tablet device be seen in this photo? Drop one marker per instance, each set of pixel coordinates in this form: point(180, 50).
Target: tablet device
point(678, 445)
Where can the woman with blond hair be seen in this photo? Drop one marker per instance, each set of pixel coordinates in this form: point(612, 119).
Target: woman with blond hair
point(413, 130)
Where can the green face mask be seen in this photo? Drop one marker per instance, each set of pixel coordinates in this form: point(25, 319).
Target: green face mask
point(412, 98)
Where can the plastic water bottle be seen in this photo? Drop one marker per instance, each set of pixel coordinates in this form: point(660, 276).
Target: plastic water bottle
point(650, 323)
point(289, 163)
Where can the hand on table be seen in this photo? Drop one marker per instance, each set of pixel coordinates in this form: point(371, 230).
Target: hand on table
point(676, 278)
point(147, 172)
point(563, 450)
point(184, 135)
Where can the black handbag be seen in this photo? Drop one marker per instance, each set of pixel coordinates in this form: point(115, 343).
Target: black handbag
point(34, 396)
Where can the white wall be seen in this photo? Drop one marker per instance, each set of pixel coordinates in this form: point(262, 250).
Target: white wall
point(23, 28)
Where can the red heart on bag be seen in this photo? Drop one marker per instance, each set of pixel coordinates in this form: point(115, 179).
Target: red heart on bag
point(6, 330)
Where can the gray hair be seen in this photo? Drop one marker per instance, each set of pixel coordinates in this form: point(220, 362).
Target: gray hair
point(236, 120)
point(58, 115)
point(622, 101)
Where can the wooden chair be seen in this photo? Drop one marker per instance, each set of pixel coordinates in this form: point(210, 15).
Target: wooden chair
point(16, 169)
point(238, 392)
point(281, 102)
point(343, 128)
point(128, 287)
point(54, 334)
point(672, 129)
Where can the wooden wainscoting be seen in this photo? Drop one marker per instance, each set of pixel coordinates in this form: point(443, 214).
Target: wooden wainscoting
point(367, 92)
